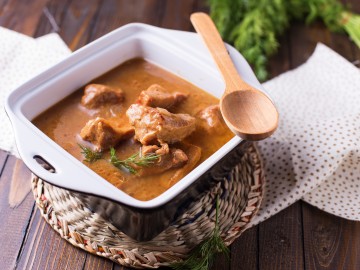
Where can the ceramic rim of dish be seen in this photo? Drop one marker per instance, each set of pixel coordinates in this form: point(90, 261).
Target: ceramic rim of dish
point(180, 52)
point(240, 198)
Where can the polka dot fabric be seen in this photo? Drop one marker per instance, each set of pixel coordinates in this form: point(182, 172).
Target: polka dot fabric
point(314, 155)
point(21, 58)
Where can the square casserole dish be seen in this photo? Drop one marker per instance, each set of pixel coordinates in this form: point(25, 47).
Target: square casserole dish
point(181, 53)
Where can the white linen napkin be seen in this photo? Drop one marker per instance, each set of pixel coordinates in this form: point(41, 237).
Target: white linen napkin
point(314, 155)
point(21, 58)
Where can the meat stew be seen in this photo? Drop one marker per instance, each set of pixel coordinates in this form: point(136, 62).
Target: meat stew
point(134, 111)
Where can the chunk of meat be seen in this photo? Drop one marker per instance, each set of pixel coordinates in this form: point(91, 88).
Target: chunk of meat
point(157, 96)
point(157, 125)
point(211, 119)
point(193, 153)
point(105, 133)
point(179, 158)
point(96, 95)
point(155, 149)
point(169, 158)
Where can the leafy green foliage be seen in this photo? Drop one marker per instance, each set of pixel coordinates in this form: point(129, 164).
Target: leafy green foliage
point(136, 159)
point(203, 255)
point(90, 155)
point(253, 26)
point(328, 10)
point(352, 26)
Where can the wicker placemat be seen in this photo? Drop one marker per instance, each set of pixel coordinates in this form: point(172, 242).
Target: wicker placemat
point(240, 196)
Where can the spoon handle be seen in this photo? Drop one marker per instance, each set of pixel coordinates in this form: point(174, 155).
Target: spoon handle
point(206, 28)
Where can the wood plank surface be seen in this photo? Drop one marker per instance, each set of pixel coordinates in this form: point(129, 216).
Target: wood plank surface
point(355, 6)
point(77, 24)
point(331, 242)
point(303, 40)
point(136, 11)
point(221, 262)
point(281, 240)
point(96, 263)
point(52, 17)
point(44, 249)
point(244, 251)
point(280, 62)
point(14, 221)
point(14, 14)
point(299, 237)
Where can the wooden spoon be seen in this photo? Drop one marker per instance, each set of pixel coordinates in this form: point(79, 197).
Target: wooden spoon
point(247, 111)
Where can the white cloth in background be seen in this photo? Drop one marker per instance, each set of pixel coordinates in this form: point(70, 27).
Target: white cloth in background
point(21, 58)
point(314, 155)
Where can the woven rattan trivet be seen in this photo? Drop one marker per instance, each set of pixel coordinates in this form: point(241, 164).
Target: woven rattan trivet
point(240, 196)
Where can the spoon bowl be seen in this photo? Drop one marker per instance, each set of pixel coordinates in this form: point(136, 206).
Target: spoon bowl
point(247, 111)
point(250, 115)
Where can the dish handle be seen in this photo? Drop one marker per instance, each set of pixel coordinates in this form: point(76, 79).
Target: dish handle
point(60, 171)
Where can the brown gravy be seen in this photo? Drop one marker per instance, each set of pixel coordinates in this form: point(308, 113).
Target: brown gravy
point(64, 121)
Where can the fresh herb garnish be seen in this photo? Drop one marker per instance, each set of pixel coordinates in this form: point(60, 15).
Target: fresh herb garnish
point(203, 255)
point(253, 26)
point(136, 159)
point(90, 155)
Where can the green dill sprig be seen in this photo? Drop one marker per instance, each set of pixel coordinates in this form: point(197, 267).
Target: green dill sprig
point(203, 255)
point(254, 26)
point(136, 159)
point(90, 155)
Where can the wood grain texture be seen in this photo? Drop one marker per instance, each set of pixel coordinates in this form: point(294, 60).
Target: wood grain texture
point(355, 7)
point(340, 43)
point(120, 267)
point(303, 40)
point(280, 62)
point(330, 242)
point(20, 184)
point(13, 221)
point(14, 14)
point(280, 240)
point(52, 17)
point(93, 262)
point(77, 24)
point(206, 29)
point(115, 13)
point(244, 251)
point(221, 262)
point(176, 15)
point(247, 111)
point(3, 160)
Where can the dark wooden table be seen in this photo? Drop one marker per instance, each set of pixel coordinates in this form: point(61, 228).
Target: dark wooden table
point(300, 237)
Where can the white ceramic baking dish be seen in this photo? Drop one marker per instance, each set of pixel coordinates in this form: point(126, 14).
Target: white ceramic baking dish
point(182, 53)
